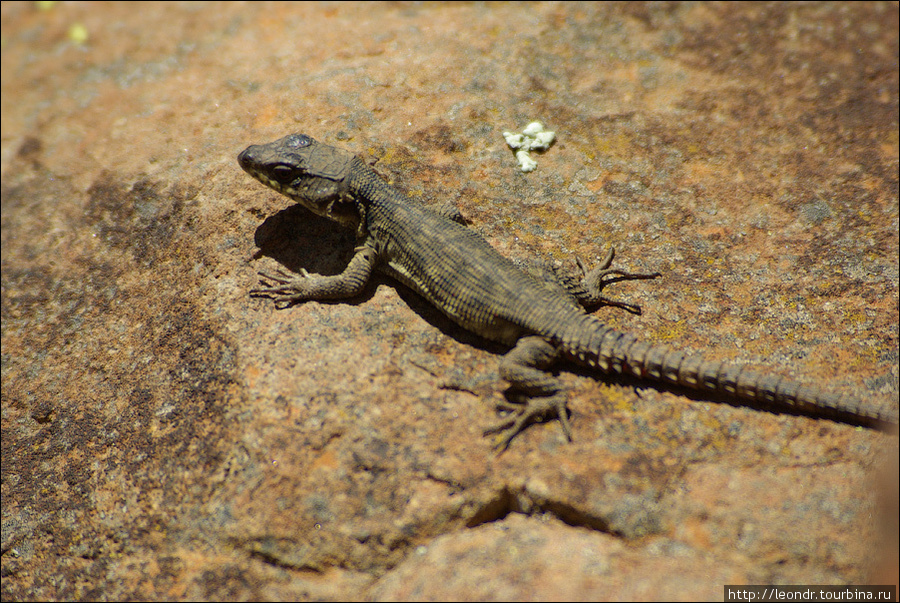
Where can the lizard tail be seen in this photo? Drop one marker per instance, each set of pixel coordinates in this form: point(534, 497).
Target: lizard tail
point(595, 344)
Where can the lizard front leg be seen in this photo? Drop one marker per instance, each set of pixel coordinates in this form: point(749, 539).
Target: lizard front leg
point(539, 392)
point(287, 288)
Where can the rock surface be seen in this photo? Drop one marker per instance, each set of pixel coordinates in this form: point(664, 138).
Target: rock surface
point(166, 437)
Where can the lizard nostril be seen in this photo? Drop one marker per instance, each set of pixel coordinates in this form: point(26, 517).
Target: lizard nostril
point(245, 156)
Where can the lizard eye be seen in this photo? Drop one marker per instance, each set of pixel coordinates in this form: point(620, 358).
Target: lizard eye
point(299, 141)
point(284, 174)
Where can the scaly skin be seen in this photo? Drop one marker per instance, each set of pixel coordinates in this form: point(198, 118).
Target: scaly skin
point(543, 319)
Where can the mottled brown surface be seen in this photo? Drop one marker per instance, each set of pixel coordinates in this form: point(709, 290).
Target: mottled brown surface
point(166, 437)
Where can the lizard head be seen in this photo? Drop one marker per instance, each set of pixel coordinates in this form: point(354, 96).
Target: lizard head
point(313, 174)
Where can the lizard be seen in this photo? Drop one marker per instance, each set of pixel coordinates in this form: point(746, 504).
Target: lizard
point(541, 319)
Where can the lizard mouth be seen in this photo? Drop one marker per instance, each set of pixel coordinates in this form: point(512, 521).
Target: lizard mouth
point(250, 160)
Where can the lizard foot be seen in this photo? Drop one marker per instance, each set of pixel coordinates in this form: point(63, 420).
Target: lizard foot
point(532, 410)
point(284, 288)
point(596, 279)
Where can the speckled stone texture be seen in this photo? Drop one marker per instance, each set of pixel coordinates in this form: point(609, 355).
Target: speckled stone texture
point(166, 437)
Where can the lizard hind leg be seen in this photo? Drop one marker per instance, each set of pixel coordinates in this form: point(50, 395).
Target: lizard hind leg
point(536, 393)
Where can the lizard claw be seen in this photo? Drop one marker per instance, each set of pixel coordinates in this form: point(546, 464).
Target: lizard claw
point(282, 276)
point(606, 263)
point(283, 287)
point(534, 410)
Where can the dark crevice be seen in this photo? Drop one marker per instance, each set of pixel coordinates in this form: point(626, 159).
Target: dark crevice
point(509, 501)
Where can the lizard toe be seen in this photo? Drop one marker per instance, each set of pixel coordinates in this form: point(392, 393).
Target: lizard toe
point(533, 410)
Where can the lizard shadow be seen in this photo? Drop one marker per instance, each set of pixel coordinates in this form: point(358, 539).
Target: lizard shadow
point(296, 238)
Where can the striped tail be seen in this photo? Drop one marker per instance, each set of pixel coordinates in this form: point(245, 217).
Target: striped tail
point(595, 344)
